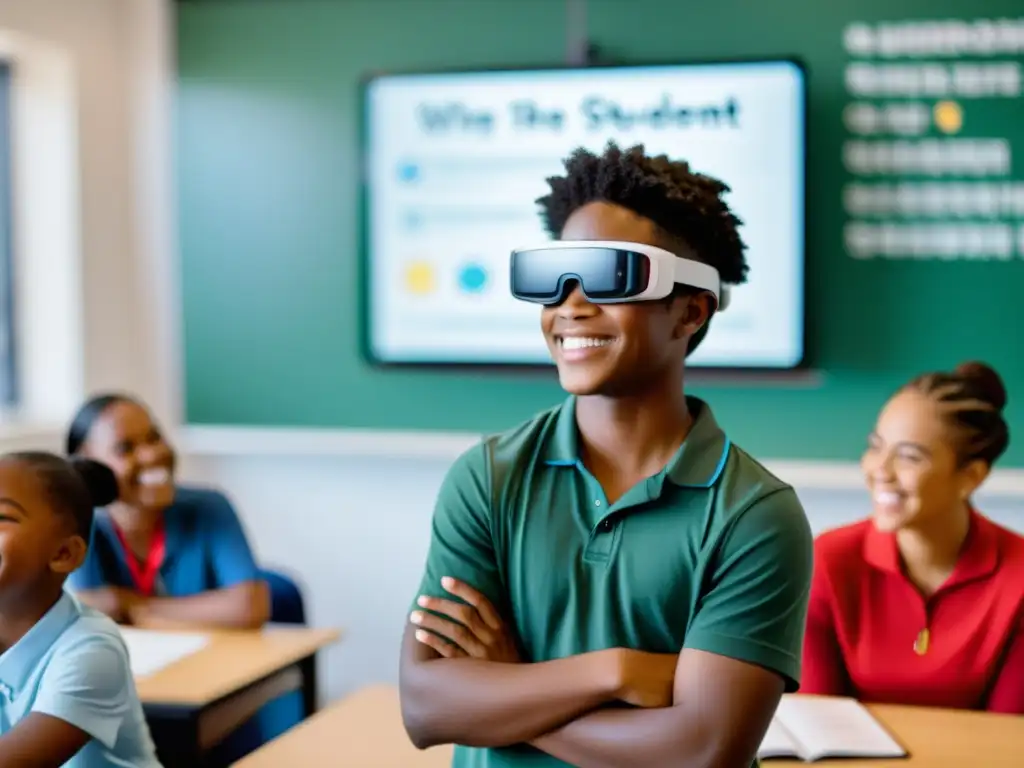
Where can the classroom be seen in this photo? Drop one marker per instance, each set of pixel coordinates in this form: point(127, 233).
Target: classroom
point(267, 229)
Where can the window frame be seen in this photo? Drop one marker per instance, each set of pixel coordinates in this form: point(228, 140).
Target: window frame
point(9, 383)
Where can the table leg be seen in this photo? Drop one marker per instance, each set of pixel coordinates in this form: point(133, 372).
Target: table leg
point(175, 732)
point(310, 691)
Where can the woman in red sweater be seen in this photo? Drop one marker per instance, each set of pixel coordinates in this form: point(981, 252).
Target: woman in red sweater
point(924, 602)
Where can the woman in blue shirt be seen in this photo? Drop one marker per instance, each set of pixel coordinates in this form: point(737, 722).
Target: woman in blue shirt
point(161, 555)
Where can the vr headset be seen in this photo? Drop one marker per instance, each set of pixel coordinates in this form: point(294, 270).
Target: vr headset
point(608, 272)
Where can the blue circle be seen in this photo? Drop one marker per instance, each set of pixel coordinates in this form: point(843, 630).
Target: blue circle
point(473, 278)
point(408, 171)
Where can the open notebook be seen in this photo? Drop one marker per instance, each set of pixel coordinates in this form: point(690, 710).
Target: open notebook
point(150, 651)
point(812, 728)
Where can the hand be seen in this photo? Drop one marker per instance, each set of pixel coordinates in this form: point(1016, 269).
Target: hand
point(645, 679)
point(115, 602)
point(129, 602)
point(474, 629)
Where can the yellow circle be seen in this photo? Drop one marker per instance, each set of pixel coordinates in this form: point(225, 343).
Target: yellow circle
point(949, 117)
point(419, 278)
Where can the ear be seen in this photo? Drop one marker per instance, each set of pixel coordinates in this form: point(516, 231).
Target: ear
point(692, 313)
point(972, 476)
point(69, 556)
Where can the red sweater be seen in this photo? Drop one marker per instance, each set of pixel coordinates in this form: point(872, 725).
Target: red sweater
point(864, 627)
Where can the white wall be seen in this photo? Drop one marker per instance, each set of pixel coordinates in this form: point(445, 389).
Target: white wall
point(346, 514)
point(119, 53)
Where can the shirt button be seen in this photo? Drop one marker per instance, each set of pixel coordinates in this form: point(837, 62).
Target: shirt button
point(606, 525)
point(597, 502)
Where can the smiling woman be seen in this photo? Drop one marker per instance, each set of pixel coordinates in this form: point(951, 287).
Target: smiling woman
point(922, 603)
point(161, 554)
point(164, 555)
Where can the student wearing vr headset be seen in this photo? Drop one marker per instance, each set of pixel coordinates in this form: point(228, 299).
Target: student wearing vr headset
point(613, 583)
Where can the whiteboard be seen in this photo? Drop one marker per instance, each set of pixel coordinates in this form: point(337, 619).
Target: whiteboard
point(456, 161)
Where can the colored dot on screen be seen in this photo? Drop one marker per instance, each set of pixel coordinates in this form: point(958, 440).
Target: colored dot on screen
point(419, 278)
point(408, 172)
point(473, 278)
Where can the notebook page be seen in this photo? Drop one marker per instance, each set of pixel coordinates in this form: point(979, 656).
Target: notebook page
point(149, 651)
point(837, 727)
point(777, 742)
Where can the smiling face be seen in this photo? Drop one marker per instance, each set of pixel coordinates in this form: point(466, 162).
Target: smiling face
point(36, 543)
point(911, 465)
point(125, 438)
point(612, 349)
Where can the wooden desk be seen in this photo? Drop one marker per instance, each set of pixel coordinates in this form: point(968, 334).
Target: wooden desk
point(192, 704)
point(364, 730)
point(940, 738)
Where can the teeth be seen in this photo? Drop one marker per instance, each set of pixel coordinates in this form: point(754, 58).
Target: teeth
point(156, 476)
point(887, 498)
point(579, 342)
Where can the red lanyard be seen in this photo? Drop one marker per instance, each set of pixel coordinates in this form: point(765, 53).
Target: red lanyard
point(144, 573)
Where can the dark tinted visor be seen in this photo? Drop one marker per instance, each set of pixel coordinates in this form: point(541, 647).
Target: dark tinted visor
point(547, 276)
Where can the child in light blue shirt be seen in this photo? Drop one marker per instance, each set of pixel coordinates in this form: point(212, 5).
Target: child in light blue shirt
point(67, 696)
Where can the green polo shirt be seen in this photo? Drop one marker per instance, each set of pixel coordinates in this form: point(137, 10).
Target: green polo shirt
point(712, 553)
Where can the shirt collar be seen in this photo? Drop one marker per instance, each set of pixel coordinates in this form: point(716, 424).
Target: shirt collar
point(18, 662)
point(979, 558)
point(102, 521)
point(697, 464)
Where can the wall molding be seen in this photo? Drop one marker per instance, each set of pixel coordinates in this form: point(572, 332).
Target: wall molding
point(216, 440)
point(229, 441)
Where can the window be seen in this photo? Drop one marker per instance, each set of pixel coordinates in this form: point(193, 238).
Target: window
point(8, 351)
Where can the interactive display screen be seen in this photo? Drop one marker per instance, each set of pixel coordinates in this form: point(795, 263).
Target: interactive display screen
point(456, 161)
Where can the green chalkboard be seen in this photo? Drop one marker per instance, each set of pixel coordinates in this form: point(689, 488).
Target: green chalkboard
point(268, 173)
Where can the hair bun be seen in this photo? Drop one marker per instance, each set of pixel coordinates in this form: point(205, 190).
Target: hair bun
point(98, 478)
point(988, 383)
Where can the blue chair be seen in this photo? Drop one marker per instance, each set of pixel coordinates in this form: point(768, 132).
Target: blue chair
point(287, 605)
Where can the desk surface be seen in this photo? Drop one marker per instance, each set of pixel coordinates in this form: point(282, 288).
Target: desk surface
point(940, 738)
point(365, 729)
point(231, 661)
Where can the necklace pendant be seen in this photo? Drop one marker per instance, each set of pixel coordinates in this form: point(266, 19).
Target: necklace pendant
point(922, 641)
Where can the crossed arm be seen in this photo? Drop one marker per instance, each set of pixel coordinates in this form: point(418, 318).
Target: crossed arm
point(718, 723)
point(556, 705)
point(240, 606)
point(483, 703)
point(238, 599)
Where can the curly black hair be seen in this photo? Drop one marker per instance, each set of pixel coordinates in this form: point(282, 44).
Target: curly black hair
point(687, 206)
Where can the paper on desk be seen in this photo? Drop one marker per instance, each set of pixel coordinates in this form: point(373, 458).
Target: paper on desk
point(150, 651)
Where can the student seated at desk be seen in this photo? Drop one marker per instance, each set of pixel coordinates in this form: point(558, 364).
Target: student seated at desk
point(923, 604)
point(161, 555)
point(165, 556)
point(67, 697)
